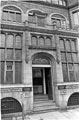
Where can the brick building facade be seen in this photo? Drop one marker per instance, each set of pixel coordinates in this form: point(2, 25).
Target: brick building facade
point(39, 54)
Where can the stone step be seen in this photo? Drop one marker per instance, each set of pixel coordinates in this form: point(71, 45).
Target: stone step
point(44, 108)
point(44, 103)
point(37, 97)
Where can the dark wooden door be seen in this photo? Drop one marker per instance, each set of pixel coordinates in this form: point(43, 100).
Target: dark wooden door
point(38, 81)
point(48, 83)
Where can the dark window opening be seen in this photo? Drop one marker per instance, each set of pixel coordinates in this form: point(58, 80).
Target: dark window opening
point(10, 105)
point(73, 100)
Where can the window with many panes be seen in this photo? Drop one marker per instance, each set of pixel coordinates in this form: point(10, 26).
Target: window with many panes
point(11, 14)
point(45, 41)
point(69, 58)
point(37, 17)
point(11, 58)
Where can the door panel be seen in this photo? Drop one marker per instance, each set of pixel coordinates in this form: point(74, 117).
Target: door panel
point(48, 83)
point(38, 81)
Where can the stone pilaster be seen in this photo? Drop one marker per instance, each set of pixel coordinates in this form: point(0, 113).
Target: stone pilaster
point(58, 61)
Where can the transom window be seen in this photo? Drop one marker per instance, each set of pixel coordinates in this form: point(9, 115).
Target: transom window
point(11, 58)
point(11, 14)
point(59, 21)
point(69, 58)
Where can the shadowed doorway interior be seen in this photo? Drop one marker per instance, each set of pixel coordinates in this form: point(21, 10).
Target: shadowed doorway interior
point(42, 83)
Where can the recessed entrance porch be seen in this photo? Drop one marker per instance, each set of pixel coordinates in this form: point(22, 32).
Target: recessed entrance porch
point(42, 81)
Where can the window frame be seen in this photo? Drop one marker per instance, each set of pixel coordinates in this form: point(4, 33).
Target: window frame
point(70, 62)
point(11, 60)
point(15, 12)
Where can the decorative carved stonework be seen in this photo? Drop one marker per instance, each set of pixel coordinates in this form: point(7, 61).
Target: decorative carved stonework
point(57, 49)
point(26, 47)
point(41, 61)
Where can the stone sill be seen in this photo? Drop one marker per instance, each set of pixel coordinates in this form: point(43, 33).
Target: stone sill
point(68, 83)
point(42, 47)
point(14, 86)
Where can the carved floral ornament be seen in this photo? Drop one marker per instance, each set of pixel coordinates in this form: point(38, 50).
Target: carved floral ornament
point(40, 60)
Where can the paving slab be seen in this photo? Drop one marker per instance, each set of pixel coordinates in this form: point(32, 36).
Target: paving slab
point(72, 114)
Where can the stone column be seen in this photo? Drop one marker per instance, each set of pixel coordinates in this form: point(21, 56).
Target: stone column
point(27, 74)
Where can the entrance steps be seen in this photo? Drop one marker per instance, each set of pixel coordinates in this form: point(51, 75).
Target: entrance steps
point(43, 104)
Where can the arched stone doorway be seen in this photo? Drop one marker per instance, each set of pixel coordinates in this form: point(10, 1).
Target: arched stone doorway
point(42, 74)
point(10, 105)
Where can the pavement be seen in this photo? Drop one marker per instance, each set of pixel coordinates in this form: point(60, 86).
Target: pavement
point(71, 114)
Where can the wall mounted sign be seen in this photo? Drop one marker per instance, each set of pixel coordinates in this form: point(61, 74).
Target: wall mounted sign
point(24, 89)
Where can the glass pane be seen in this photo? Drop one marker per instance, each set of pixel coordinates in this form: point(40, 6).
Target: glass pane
point(2, 40)
point(75, 16)
point(18, 17)
point(2, 72)
point(47, 0)
point(41, 42)
point(67, 45)
point(9, 77)
point(41, 21)
point(18, 72)
point(60, 2)
point(55, 1)
point(72, 77)
point(74, 57)
point(34, 41)
point(5, 15)
point(61, 44)
point(11, 16)
point(69, 57)
point(48, 42)
point(9, 65)
point(64, 2)
point(9, 54)
point(18, 54)
point(73, 45)
point(18, 43)
point(9, 42)
point(63, 23)
point(2, 53)
point(32, 18)
point(70, 66)
point(76, 69)
point(65, 72)
point(58, 23)
point(63, 56)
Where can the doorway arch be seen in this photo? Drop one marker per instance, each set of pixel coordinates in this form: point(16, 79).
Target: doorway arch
point(42, 74)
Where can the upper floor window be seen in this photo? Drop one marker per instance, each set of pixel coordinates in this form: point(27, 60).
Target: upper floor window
point(37, 17)
point(59, 21)
point(76, 17)
point(11, 13)
point(60, 2)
